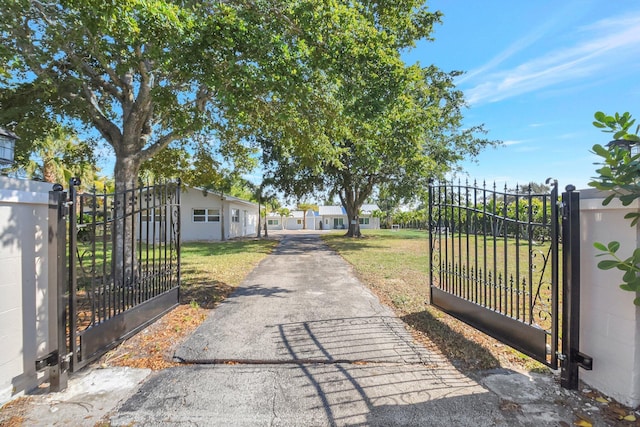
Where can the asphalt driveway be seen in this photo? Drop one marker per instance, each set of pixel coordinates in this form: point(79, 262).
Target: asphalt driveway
point(303, 343)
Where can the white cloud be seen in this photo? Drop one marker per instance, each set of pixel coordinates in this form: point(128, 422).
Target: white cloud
point(611, 42)
point(511, 142)
point(521, 44)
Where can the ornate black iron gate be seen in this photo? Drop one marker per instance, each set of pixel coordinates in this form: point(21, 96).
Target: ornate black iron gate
point(496, 264)
point(124, 264)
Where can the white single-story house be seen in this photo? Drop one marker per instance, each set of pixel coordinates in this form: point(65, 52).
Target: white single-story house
point(275, 221)
point(208, 215)
point(296, 220)
point(302, 220)
point(327, 218)
point(335, 217)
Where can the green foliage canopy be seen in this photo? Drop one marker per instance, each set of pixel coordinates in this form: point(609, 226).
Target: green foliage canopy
point(144, 74)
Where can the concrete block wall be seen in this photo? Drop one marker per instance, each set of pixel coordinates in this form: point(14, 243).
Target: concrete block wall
point(23, 283)
point(610, 323)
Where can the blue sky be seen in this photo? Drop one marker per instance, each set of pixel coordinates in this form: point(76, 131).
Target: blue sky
point(535, 73)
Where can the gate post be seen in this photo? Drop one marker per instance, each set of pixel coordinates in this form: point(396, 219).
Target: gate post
point(571, 356)
point(57, 295)
point(430, 226)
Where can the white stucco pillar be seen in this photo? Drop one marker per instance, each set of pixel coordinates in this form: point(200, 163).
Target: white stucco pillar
point(24, 315)
point(610, 323)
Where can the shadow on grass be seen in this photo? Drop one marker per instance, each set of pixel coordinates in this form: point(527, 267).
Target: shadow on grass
point(408, 234)
point(462, 352)
point(206, 294)
point(371, 239)
point(227, 248)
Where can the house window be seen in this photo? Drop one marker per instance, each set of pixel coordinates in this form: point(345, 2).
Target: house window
point(273, 222)
point(206, 215)
point(364, 221)
point(148, 215)
point(338, 222)
point(299, 222)
point(235, 215)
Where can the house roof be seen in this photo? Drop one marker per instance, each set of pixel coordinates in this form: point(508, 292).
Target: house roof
point(331, 210)
point(8, 133)
point(225, 196)
point(369, 208)
point(300, 214)
point(339, 210)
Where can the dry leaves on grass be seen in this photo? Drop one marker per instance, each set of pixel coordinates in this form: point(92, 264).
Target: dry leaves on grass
point(12, 413)
point(153, 347)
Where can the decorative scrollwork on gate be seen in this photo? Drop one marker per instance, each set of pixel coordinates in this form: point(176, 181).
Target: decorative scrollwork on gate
point(123, 252)
point(494, 248)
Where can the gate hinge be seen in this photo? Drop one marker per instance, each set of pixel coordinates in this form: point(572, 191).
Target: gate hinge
point(580, 359)
point(53, 359)
point(50, 359)
point(584, 361)
point(562, 210)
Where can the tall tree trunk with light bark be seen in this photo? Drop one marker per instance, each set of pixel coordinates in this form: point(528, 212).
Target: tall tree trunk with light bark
point(124, 257)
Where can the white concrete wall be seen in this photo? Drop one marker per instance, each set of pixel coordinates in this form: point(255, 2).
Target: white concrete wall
point(248, 220)
point(331, 218)
point(312, 221)
point(23, 283)
point(279, 225)
point(374, 223)
point(191, 231)
point(293, 223)
point(610, 323)
point(193, 198)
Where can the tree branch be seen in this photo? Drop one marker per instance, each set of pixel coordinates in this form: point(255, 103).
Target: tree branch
point(160, 144)
point(95, 77)
point(107, 128)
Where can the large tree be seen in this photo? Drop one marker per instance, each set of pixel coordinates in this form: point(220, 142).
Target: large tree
point(394, 148)
point(147, 73)
point(144, 73)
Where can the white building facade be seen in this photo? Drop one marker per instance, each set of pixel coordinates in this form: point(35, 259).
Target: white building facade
point(207, 215)
point(335, 217)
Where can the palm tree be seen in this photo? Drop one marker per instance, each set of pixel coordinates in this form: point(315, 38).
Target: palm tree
point(283, 212)
point(304, 207)
point(60, 156)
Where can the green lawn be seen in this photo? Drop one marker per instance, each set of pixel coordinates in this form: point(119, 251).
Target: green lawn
point(395, 264)
point(211, 270)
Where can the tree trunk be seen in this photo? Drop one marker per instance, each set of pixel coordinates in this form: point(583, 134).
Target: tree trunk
point(125, 264)
point(259, 218)
point(352, 217)
point(222, 236)
point(49, 171)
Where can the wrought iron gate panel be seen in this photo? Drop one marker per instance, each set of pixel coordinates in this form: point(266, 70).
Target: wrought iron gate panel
point(124, 264)
point(494, 263)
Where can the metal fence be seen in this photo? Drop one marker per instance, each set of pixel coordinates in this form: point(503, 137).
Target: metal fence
point(123, 264)
point(507, 263)
point(498, 250)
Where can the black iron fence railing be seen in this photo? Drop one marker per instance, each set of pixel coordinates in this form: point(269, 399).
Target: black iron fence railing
point(124, 264)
